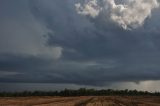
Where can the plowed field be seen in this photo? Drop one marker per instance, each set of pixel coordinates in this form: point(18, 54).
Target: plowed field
point(81, 101)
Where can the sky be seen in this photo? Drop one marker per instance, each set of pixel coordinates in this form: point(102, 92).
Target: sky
point(57, 44)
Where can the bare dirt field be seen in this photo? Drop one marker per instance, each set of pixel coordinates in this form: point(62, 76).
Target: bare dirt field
point(81, 101)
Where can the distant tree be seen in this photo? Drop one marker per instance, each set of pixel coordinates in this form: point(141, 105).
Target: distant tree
point(80, 92)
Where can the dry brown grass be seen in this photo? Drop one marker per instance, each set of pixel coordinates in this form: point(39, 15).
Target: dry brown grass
point(82, 101)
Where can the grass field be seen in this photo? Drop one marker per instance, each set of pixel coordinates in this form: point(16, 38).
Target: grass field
point(81, 101)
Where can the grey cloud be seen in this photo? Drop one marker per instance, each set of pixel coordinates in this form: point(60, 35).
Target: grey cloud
point(80, 73)
point(21, 33)
point(89, 51)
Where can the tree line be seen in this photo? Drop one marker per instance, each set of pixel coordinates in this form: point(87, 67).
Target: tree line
point(80, 92)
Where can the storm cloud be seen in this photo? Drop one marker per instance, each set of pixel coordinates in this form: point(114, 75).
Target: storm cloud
point(126, 13)
point(52, 40)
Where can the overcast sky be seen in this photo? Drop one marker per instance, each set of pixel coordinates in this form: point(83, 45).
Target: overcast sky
point(80, 43)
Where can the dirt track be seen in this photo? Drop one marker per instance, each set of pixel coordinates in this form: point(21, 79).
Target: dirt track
point(81, 101)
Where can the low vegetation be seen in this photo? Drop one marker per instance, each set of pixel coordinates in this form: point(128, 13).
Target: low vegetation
point(81, 92)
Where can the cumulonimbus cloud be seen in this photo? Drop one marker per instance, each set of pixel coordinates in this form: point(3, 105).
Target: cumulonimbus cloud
point(129, 14)
point(90, 8)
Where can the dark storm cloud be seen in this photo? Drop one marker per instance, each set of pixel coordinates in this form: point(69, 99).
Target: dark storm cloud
point(90, 51)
